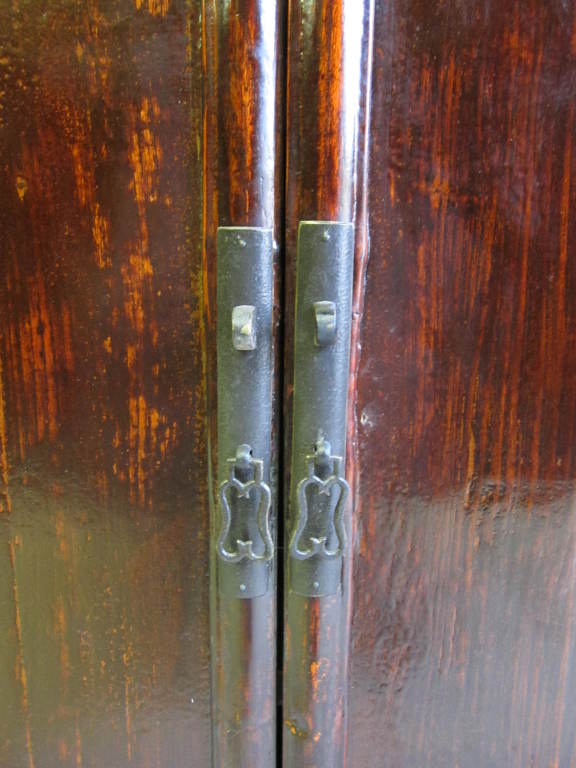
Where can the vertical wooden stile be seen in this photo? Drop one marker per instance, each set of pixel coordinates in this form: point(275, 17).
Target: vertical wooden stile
point(242, 189)
point(329, 61)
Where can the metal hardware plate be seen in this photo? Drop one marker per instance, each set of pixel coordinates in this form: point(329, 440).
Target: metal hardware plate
point(244, 542)
point(319, 492)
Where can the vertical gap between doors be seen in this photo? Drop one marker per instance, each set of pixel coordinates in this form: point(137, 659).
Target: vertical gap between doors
point(282, 113)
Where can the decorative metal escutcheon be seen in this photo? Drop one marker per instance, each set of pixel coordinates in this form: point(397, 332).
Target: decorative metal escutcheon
point(320, 533)
point(319, 492)
point(245, 501)
point(243, 537)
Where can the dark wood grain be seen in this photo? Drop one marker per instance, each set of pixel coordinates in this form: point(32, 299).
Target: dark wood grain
point(328, 66)
point(464, 621)
point(104, 639)
point(242, 187)
point(464, 387)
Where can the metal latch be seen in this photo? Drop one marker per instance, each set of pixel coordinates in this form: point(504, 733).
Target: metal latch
point(319, 491)
point(245, 547)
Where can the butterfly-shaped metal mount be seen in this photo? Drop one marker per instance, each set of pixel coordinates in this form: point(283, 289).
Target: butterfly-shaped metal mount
point(243, 461)
point(321, 458)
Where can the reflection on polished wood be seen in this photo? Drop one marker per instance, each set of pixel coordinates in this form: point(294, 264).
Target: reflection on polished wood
point(242, 185)
point(464, 623)
point(104, 639)
point(329, 46)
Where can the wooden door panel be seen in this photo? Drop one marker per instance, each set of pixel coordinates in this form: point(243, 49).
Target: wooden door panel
point(463, 628)
point(104, 639)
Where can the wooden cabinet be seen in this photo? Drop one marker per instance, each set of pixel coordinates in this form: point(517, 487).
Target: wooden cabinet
point(131, 131)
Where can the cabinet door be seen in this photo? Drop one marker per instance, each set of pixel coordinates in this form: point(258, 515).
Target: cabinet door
point(130, 133)
point(462, 406)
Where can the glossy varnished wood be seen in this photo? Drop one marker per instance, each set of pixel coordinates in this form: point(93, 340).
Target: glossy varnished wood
point(242, 187)
point(464, 619)
point(328, 61)
point(104, 641)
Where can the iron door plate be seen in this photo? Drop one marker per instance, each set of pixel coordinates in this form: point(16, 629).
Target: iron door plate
point(319, 492)
point(244, 535)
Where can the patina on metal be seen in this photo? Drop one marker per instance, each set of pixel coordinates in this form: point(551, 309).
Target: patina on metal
point(245, 547)
point(241, 489)
point(319, 491)
point(321, 503)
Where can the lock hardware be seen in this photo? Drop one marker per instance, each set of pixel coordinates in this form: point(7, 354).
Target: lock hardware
point(319, 492)
point(243, 511)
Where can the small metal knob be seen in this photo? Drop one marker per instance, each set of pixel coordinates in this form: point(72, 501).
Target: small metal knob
point(325, 319)
point(243, 327)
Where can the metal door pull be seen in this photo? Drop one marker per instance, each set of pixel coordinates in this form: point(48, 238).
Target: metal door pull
point(319, 492)
point(245, 546)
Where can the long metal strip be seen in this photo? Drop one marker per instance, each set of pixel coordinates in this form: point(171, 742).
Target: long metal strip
point(245, 548)
point(319, 491)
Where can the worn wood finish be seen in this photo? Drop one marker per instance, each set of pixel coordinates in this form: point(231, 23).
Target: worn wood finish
point(242, 187)
point(104, 642)
point(464, 623)
point(328, 62)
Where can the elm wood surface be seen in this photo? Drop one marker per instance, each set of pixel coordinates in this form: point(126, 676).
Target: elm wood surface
point(463, 623)
point(104, 570)
point(328, 69)
point(242, 187)
point(464, 615)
